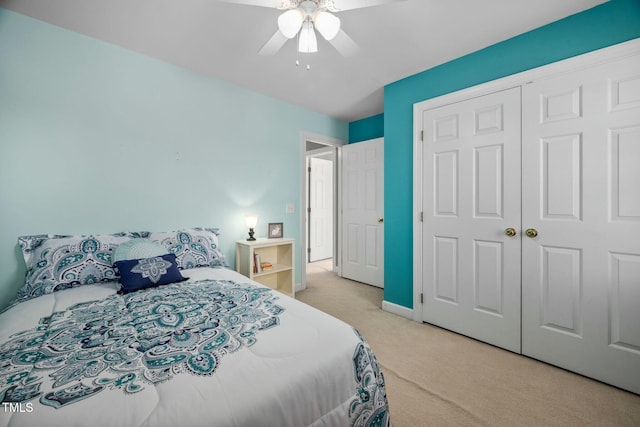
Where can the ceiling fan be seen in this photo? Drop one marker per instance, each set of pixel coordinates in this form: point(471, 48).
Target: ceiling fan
point(303, 17)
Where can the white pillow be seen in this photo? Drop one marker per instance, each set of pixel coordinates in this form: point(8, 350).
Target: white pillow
point(137, 249)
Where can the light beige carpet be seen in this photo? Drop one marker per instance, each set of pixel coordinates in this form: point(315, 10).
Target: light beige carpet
point(438, 378)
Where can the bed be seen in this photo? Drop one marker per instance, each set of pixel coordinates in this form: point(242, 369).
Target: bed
point(91, 340)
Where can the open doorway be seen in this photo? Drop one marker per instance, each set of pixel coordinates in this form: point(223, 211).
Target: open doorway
point(320, 204)
point(319, 218)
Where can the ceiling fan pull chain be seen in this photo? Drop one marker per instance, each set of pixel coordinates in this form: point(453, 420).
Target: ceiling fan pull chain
point(298, 54)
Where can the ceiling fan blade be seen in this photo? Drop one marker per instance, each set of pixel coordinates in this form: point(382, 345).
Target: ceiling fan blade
point(344, 44)
point(341, 5)
point(277, 4)
point(274, 44)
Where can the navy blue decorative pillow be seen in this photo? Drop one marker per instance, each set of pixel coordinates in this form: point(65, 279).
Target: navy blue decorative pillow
point(136, 274)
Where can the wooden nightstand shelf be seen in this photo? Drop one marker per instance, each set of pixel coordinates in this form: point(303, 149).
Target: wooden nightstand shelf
point(278, 252)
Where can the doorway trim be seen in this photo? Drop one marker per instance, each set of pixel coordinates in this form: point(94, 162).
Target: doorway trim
point(575, 63)
point(329, 142)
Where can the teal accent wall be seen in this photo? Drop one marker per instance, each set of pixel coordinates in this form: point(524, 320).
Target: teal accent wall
point(367, 128)
point(98, 139)
point(608, 24)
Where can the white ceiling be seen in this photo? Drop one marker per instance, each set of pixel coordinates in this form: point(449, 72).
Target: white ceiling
point(222, 40)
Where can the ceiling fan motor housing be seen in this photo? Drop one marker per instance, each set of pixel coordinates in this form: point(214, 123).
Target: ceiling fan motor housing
point(307, 15)
point(303, 17)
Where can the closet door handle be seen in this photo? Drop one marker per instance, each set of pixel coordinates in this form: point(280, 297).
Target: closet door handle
point(531, 233)
point(510, 232)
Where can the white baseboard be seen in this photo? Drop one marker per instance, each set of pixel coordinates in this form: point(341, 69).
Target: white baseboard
point(400, 310)
point(299, 287)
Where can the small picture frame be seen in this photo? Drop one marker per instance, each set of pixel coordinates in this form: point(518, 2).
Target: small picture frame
point(275, 230)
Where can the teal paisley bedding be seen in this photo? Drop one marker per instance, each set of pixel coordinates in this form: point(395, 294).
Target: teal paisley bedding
point(57, 262)
point(215, 350)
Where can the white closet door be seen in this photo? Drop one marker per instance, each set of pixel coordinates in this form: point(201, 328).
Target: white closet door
point(471, 268)
point(581, 193)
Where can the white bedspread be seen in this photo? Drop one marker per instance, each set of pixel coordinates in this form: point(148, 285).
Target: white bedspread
point(277, 363)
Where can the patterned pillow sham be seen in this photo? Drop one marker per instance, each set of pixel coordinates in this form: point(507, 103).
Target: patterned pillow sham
point(137, 274)
point(56, 262)
point(193, 247)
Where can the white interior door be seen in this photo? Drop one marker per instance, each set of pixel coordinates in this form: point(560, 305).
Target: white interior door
point(471, 195)
point(320, 209)
point(362, 212)
point(581, 193)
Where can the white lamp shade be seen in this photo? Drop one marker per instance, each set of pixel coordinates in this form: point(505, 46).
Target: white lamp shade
point(327, 24)
point(252, 220)
point(308, 42)
point(290, 22)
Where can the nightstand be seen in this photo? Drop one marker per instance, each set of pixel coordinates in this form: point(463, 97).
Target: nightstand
point(276, 252)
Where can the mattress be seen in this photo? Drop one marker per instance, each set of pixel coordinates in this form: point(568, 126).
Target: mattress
point(216, 350)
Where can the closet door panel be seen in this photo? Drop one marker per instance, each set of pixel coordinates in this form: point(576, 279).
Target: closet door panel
point(580, 193)
point(562, 177)
point(625, 173)
point(471, 194)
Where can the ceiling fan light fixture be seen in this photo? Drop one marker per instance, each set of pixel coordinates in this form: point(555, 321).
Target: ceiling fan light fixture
point(307, 42)
point(289, 22)
point(327, 24)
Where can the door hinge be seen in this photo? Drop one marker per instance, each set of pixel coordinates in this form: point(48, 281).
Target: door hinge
point(421, 216)
point(422, 135)
point(309, 210)
point(309, 169)
point(421, 298)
